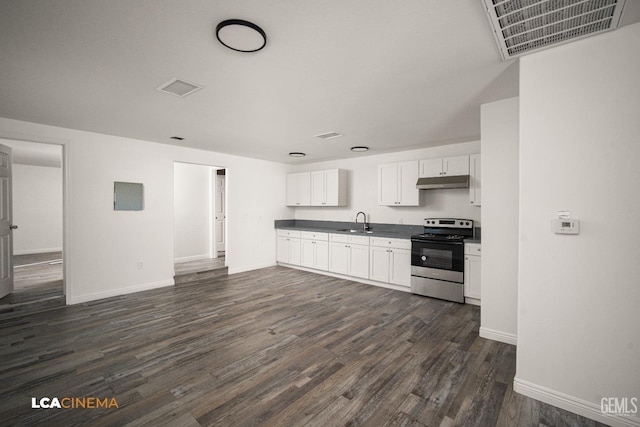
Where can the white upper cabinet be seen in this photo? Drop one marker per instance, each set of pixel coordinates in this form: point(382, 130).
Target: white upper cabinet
point(475, 188)
point(397, 184)
point(299, 189)
point(447, 166)
point(318, 188)
point(329, 188)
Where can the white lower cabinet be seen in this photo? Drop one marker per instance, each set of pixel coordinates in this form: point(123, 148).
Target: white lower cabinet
point(349, 255)
point(390, 261)
point(472, 272)
point(379, 259)
point(314, 251)
point(288, 247)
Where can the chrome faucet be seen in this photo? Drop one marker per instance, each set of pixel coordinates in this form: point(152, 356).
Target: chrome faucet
point(364, 223)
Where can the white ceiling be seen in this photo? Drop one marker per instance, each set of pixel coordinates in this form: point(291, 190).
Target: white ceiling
point(390, 75)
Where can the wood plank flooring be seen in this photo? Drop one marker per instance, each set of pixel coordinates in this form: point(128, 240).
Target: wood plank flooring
point(38, 285)
point(273, 347)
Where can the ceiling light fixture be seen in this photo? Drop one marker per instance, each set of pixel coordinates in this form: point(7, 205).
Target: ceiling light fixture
point(297, 154)
point(240, 35)
point(359, 149)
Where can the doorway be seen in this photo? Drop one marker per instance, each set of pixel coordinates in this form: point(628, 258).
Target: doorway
point(199, 218)
point(37, 253)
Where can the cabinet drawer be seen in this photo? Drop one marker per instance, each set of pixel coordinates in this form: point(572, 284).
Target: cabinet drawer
point(391, 243)
point(472, 249)
point(313, 235)
point(288, 233)
point(346, 238)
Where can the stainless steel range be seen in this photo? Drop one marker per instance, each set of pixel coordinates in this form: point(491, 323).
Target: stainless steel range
point(437, 258)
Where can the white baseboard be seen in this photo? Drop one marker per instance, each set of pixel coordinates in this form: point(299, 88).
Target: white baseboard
point(36, 251)
point(573, 404)
point(192, 258)
point(117, 292)
point(505, 337)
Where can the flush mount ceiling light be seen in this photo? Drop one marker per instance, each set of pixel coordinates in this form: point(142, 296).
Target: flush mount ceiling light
point(359, 149)
point(240, 35)
point(297, 154)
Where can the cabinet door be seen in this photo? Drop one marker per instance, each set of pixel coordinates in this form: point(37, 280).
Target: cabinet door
point(282, 250)
point(294, 251)
point(322, 255)
point(304, 188)
point(359, 261)
point(332, 187)
point(458, 165)
point(408, 176)
point(318, 189)
point(379, 263)
point(339, 257)
point(293, 190)
point(388, 185)
point(472, 273)
point(400, 267)
point(307, 253)
point(430, 168)
point(475, 188)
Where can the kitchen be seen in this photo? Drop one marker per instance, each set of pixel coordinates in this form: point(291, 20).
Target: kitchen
point(363, 183)
point(565, 300)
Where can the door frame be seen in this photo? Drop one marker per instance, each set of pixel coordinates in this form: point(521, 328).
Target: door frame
point(212, 169)
point(67, 261)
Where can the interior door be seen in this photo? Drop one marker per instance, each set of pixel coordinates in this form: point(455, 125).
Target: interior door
point(6, 227)
point(220, 212)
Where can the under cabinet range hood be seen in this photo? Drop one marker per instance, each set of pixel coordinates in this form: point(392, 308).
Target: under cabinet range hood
point(437, 182)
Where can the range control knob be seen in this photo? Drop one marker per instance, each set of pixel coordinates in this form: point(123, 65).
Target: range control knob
point(424, 258)
point(467, 223)
point(461, 223)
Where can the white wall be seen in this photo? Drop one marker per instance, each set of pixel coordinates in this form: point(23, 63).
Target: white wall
point(363, 187)
point(37, 209)
point(500, 220)
point(103, 247)
point(579, 296)
point(192, 212)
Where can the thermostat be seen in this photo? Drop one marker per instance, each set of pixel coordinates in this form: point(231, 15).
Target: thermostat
point(565, 226)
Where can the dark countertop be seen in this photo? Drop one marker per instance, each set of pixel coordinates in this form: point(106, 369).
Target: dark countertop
point(376, 230)
point(397, 231)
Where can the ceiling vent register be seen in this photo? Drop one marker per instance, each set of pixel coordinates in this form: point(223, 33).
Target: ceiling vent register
point(179, 88)
point(525, 26)
point(328, 135)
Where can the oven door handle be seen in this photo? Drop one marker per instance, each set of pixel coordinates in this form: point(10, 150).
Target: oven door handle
point(437, 242)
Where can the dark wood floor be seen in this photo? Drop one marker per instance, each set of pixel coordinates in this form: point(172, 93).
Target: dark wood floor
point(274, 347)
point(208, 264)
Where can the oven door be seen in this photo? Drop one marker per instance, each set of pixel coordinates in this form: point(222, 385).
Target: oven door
point(438, 260)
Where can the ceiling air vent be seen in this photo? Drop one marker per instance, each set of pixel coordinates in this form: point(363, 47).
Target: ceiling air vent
point(328, 135)
point(524, 26)
point(179, 88)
